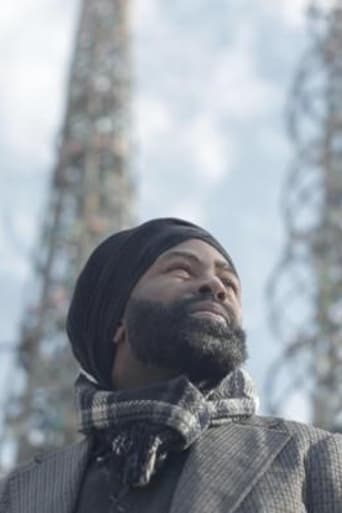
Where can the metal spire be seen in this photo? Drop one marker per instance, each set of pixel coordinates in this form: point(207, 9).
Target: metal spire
point(305, 289)
point(91, 195)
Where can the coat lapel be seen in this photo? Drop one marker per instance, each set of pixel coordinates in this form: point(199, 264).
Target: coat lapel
point(224, 466)
point(52, 483)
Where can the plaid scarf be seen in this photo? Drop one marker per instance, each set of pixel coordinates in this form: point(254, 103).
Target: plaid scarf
point(143, 426)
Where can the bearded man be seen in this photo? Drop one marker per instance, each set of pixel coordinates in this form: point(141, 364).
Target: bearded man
point(167, 410)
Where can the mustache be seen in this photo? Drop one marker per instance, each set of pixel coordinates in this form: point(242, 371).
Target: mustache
point(188, 304)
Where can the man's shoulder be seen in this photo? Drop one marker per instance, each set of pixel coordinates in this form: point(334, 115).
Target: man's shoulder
point(61, 469)
point(290, 426)
point(67, 453)
point(305, 434)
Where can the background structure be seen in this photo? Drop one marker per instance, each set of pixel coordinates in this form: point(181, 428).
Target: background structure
point(91, 195)
point(306, 307)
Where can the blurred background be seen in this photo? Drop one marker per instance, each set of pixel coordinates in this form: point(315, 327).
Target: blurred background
point(226, 114)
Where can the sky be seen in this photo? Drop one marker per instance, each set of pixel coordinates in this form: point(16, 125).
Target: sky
point(211, 89)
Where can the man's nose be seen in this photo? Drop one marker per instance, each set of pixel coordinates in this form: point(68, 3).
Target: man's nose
point(213, 285)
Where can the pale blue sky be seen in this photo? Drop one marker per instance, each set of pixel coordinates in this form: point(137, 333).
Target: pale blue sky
point(211, 83)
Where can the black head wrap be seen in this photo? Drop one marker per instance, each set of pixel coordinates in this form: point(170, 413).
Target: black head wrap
point(106, 281)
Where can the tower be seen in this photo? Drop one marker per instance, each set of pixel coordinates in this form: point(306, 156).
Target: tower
point(305, 289)
point(91, 195)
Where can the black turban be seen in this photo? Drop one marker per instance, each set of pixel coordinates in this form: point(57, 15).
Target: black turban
point(106, 281)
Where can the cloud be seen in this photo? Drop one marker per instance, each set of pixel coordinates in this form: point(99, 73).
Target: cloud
point(213, 152)
point(10, 14)
point(293, 12)
point(190, 210)
point(193, 89)
point(199, 139)
point(298, 407)
point(144, 13)
point(16, 235)
point(201, 92)
point(236, 90)
point(153, 119)
point(13, 263)
point(32, 89)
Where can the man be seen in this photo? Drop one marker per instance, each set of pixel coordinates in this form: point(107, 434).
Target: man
point(167, 410)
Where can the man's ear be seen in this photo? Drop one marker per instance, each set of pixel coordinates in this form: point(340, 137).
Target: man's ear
point(120, 334)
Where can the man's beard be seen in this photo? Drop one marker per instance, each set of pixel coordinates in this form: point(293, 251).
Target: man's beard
point(171, 337)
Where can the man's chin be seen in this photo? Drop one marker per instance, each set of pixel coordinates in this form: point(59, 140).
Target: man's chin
point(210, 351)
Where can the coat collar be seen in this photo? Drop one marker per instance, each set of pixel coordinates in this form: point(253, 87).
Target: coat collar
point(220, 471)
point(225, 465)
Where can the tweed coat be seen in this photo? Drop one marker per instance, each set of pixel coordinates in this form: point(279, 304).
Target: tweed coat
point(261, 465)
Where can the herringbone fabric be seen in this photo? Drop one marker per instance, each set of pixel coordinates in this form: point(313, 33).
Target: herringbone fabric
point(49, 484)
point(4, 495)
point(257, 466)
point(307, 476)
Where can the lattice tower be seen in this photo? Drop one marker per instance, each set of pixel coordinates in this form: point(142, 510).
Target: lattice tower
point(92, 195)
point(305, 289)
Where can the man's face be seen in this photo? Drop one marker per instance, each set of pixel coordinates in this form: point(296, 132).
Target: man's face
point(184, 314)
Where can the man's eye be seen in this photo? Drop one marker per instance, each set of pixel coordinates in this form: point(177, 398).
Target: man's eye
point(229, 284)
point(180, 268)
